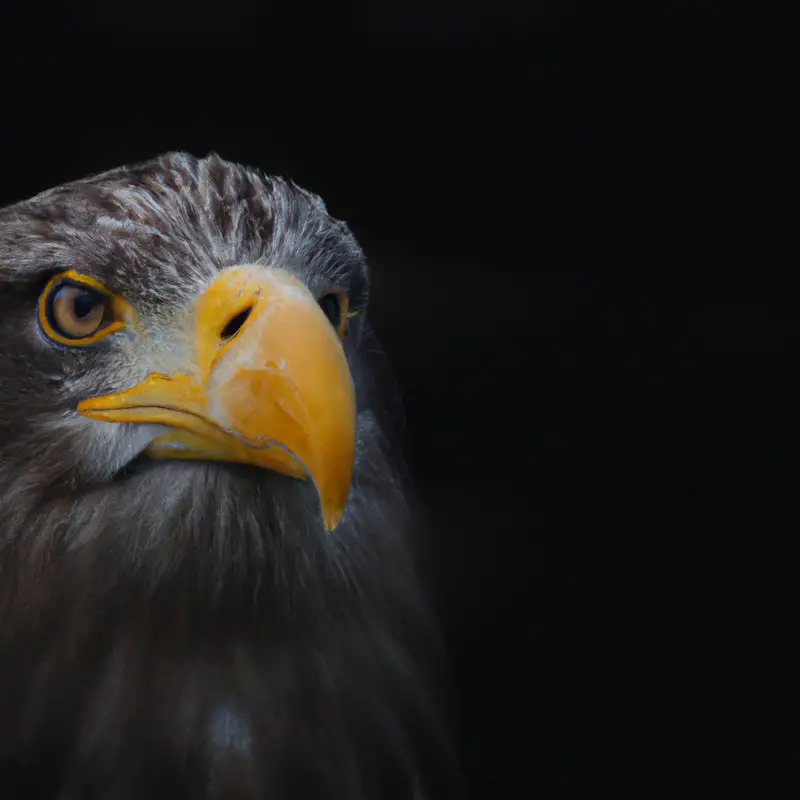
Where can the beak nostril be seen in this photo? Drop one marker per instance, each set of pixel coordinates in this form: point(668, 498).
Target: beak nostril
point(235, 324)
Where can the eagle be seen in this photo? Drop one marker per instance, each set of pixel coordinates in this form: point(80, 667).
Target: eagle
point(210, 583)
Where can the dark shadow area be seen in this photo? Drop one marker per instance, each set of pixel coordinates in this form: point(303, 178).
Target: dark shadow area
point(573, 219)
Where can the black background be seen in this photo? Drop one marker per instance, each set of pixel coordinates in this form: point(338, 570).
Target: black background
point(581, 223)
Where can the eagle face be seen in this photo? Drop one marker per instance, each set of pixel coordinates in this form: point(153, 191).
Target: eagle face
point(177, 334)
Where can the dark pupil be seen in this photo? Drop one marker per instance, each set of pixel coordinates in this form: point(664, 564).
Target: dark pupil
point(83, 304)
point(331, 309)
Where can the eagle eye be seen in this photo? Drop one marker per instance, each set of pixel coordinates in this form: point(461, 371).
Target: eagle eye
point(76, 313)
point(76, 310)
point(334, 306)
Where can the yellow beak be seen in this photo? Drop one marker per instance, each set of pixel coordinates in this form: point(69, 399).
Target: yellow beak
point(269, 386)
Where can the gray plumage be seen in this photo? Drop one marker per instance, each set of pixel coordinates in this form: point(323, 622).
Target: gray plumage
point(189, 629)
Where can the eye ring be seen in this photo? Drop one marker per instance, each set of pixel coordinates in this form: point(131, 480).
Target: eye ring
point(335, 306)
point(77, 311)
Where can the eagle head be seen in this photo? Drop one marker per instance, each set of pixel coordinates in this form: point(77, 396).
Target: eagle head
point(201, 511)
